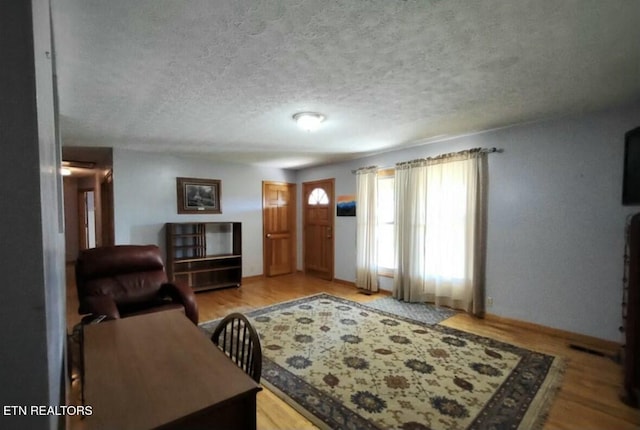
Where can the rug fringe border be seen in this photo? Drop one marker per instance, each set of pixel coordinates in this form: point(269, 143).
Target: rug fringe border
point(538, 411)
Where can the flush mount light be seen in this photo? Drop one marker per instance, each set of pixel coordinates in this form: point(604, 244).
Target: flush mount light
point(308, 121)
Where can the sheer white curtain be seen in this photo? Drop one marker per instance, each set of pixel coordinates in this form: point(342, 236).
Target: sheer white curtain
point(440, 231)
point(366, 240)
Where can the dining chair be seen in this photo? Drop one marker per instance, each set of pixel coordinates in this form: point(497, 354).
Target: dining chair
point(238, 339)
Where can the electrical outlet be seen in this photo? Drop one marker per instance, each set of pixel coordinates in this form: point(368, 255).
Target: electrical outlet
point(489, 301)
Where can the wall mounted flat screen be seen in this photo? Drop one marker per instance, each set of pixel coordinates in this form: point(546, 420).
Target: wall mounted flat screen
point(631, 178)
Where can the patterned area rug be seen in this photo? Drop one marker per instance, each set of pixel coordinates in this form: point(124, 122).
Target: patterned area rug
point(423, 312)
point(347, 366)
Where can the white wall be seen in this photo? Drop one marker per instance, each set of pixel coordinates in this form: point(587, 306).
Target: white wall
point(145, 198)
point(556, 223)
point(32, 311)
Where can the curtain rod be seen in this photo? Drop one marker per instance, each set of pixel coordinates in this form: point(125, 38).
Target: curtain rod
point(487, 150)
point(365, 168)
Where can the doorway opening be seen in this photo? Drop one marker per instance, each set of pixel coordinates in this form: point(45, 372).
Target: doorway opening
point(87, 219)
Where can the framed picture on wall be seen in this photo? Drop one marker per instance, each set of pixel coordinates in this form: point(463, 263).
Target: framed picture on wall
point(346, 205)
point(199, 196)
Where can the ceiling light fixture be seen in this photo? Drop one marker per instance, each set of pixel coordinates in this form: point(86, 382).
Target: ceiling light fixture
point(308, 121)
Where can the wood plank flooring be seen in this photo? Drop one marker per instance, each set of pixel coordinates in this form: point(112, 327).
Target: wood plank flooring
point(587, 399)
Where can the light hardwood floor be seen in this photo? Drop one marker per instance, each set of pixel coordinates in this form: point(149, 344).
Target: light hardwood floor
point(587, 399)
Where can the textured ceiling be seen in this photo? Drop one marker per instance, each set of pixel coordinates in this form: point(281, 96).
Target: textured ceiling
point(222, 78)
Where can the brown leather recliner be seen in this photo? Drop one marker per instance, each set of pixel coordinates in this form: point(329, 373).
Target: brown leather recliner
point(124, 280)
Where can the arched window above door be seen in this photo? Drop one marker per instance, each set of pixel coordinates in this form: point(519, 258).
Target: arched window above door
point(318, 196)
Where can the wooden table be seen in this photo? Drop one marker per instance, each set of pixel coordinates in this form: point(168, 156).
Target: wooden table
point(160, 370)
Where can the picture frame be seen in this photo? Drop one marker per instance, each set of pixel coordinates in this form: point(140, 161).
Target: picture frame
point(346, 205)
point(199, 196)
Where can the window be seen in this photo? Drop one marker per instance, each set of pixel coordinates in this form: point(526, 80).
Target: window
point(446, 240)
point(318, 197)
point(386, 222)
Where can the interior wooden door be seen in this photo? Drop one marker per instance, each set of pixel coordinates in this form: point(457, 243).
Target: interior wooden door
point(317, 209)
point(279, 226)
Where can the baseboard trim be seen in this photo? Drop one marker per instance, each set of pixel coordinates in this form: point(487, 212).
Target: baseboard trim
point(343, 282)
point(606, 347)
point(252, 278)
point(363, 291)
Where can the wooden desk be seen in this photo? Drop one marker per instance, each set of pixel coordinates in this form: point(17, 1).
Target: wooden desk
point(159, 370)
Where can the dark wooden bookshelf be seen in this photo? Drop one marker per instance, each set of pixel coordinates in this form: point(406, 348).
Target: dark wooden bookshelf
point(205, 255)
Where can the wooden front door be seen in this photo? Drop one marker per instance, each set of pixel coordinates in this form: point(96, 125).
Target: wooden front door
point(279, 226)
point(317, 209)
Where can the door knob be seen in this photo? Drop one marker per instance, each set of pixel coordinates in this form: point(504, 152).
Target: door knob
point(268, 235)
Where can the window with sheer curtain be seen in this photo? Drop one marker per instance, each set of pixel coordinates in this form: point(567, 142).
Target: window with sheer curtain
point(366, 229)
point(453, 215)
point(440, 230)
point(424, 224)
point(386, 222)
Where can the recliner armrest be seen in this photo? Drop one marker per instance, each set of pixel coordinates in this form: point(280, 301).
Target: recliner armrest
point(102, 305)
point(182, 293)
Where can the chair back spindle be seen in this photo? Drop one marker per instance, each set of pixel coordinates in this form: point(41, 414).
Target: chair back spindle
point(238, 339)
